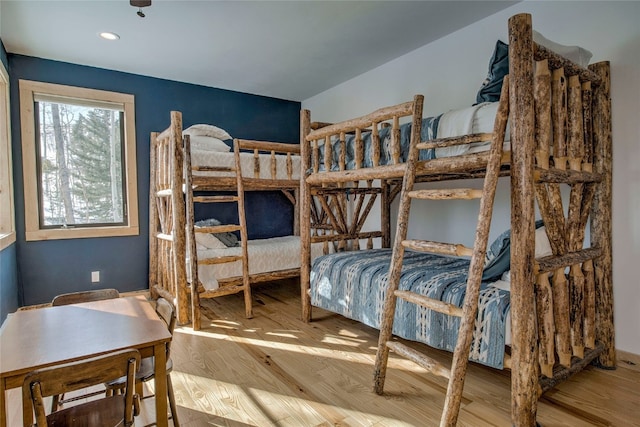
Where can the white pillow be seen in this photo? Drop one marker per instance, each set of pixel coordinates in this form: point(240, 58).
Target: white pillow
point(207, 130)
point(577, 54)
point(502, 284)
point(506, 276)
point(209, 241)
point(543, 247)
point(207, 143)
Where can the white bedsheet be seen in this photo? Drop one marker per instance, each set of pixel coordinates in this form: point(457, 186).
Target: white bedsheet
point(479, 118)
point(265, 255)
point(218, 158)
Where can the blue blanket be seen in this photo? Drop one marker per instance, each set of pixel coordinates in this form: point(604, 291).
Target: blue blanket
point(354, 284)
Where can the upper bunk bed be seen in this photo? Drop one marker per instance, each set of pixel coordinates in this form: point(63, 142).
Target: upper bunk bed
point(560, 135)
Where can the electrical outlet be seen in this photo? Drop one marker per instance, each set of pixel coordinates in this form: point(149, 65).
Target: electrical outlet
point(95, 276)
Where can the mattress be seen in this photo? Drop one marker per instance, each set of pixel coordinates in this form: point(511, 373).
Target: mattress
point(265, 255)
point(353, 284)
point(227, 159)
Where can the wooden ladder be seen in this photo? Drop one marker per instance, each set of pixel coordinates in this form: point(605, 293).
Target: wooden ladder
point(236, 197)
point(469, 310)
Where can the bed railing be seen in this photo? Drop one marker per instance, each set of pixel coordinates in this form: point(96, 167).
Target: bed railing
point(167, 223)
point(564, 153)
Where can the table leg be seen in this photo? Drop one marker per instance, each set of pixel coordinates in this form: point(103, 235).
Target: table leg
point(160, 377)
point(27, 412)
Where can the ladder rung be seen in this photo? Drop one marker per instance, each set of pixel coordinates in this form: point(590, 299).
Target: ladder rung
point(218, 229)
point(426, 362)
point(214, 168)
point(164, 236)
point(220, 260)
point(454, 140)
point(443, 194)
point(431, 303)
point(223, 290)
point(164, 193)
point(437, 247)
point(215, 199)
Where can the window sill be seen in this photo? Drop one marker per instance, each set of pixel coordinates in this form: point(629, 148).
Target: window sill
point(80, 233)
point(7, 239)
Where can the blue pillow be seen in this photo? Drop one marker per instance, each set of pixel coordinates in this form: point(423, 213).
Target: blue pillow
point(498, 257)
point(498, 68)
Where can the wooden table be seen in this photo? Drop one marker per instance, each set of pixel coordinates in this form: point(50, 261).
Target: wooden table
point(38, 338)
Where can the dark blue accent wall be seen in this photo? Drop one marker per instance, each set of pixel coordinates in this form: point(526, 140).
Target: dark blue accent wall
point(48, 268)
point(8, 281)
point(8, 269)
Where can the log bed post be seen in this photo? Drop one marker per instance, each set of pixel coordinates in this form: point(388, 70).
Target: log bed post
point(601, 215)
point(153, 216)
point(524, 376)
point(305, 216)
point(179, 223)
point(385, 213)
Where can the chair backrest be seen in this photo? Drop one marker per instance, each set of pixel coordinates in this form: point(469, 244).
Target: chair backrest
point(167, 312)
point(34, 307)
point(60, 379)
point(85, 296)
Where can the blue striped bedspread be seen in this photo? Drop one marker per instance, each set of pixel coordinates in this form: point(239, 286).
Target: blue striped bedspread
point(354, 285)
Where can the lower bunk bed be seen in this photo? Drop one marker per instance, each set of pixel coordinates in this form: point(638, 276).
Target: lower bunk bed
point(352, 284)
point(269, 259)
point(554, 316)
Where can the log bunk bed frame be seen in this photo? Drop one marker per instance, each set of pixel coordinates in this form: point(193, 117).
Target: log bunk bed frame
point(560, 115)
point(171, 215)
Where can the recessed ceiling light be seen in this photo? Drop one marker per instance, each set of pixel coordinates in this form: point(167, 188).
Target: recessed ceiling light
point(109, 35)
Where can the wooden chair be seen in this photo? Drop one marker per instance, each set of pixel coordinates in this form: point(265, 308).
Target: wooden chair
point(85, 296)
point(34, 307)
point(107, 411)
point(167, 312)
point(76, 298)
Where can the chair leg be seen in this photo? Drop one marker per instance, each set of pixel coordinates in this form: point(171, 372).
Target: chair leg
point(55, 401)
point(139, 388)
point(172, 402)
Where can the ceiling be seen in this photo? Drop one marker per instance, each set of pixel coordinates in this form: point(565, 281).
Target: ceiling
point(284, 49)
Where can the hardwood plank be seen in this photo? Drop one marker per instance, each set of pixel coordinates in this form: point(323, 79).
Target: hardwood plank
point(275, 370)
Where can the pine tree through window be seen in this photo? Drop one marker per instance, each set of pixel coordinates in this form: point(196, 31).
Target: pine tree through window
point(80, 164)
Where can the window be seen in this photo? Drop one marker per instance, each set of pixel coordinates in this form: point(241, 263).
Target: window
point(7, 224)
point(79, 162)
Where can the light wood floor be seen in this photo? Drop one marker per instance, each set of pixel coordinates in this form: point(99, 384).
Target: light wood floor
point(274, 370)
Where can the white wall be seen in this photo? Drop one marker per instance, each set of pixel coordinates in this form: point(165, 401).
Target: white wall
point(449, 72)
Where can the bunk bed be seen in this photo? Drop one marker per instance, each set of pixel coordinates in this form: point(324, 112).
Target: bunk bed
point(191, 260)
point(560, 135)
